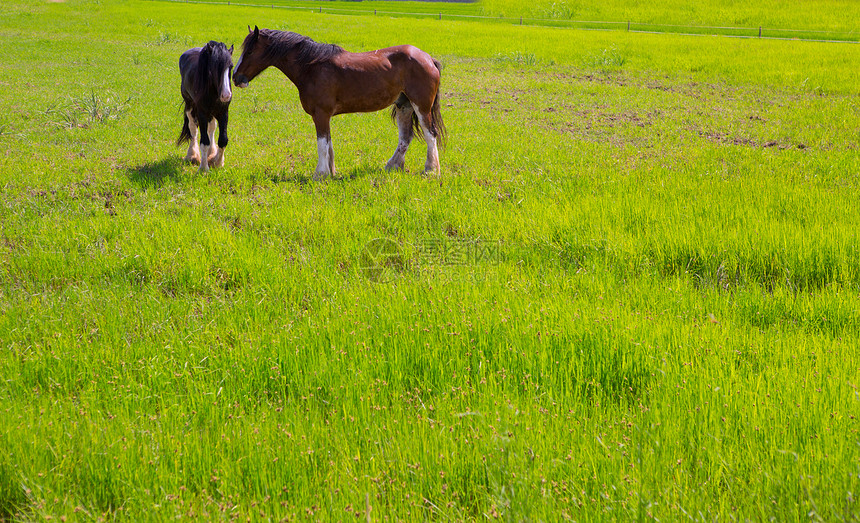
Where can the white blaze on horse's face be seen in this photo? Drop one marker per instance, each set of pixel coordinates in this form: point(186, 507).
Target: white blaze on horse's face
point(226, 92)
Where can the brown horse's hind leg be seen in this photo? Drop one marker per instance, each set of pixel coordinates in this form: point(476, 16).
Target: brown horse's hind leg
point(402, 115)
point(430, 133)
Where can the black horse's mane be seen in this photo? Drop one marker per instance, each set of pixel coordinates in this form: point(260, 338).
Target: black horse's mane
point(214, 58)
point(307, 51)
point(200, 79)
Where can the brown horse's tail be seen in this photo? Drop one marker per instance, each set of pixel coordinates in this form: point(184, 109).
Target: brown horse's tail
point(438, 124)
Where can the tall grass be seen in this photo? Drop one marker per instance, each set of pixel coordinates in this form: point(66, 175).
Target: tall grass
point(667, 325)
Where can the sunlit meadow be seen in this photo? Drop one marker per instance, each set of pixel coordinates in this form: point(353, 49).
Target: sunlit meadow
point(631, 293)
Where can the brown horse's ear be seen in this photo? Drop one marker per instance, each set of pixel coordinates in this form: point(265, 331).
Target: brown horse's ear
point(256, 31)
point(231, 50)
point(249, 29)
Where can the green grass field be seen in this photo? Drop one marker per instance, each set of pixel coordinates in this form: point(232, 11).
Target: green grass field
point(632, 293)
point(820, 15)
point(817, 20)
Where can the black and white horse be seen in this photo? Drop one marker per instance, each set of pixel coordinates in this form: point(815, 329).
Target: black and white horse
point(206, 73)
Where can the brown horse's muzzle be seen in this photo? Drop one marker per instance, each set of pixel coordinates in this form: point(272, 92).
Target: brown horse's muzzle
point(240, 80)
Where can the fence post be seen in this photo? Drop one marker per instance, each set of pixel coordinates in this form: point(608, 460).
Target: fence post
point(440, 16)
point(628, 25)
point(521, 20)
point(759, 31)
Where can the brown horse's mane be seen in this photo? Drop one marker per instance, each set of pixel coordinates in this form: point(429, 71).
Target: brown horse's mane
point(306, 50)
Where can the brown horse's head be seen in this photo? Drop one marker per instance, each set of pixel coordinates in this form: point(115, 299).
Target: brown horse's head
point(250, 63)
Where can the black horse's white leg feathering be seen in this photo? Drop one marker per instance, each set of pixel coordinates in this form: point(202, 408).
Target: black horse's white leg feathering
point(206, 75)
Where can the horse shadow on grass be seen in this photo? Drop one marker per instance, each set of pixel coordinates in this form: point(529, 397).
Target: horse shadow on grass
point(175, 169)
point(155, 174)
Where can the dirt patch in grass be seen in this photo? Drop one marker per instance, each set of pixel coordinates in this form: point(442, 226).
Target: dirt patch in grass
point(726, 138)
point(653, 113)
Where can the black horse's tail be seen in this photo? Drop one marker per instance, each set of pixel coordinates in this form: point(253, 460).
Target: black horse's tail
point(185, 134)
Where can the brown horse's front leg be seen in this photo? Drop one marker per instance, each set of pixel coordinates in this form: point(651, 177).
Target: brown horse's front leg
point(325, 164)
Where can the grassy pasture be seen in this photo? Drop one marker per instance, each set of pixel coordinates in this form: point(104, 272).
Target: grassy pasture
point(809, 20)
point(663, 322)
point(820, 15)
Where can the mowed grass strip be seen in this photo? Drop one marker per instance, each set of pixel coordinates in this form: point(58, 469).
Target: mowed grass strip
point(632, 292)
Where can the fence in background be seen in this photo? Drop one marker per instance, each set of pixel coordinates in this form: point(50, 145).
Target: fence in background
point(807, 35)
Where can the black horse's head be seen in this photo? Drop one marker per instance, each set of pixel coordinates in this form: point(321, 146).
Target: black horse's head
point(215, 68)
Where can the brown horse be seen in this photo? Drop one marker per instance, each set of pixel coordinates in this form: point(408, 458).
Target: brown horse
point(332, 81)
